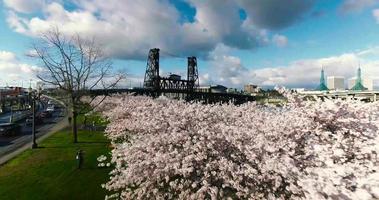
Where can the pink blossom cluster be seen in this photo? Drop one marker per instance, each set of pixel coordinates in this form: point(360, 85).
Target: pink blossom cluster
point(169, 149)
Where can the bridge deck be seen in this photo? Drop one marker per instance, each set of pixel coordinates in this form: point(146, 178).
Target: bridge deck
point(206, 97)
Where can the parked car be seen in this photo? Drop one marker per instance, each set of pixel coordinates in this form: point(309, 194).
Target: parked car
point(9, 129)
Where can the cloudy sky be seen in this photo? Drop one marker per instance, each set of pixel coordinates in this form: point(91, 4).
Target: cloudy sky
point(264, 42)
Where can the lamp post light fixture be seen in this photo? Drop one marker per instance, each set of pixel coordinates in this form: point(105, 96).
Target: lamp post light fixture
point(33, 97)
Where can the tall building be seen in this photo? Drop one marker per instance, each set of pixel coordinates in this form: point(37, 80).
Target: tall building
point(366, 82)
point(358, 83)
point(322, 86)
point(336, 83)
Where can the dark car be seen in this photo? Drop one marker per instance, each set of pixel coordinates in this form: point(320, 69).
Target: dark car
point(9, 129)
point(29, 120)
point(45, 114)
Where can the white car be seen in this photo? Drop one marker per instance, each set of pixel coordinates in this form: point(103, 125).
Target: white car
point(50, 109)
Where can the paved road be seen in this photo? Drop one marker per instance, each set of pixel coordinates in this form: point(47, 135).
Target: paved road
point(11, 145)
point(5, 118)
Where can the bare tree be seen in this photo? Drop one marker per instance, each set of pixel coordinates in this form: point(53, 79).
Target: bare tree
point(74, 65)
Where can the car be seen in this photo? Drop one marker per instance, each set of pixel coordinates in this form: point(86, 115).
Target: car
point(45, 114)
point(29, 120)
point(51, 108)
point(42, 115)
point(9, 129)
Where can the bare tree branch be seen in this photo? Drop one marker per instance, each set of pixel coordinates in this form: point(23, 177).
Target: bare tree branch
point(75, 65)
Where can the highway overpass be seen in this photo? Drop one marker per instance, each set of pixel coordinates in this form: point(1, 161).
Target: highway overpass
point(369, 96)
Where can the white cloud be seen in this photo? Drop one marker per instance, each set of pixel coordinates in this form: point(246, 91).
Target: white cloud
point(24, 6)
point(375, 13)
point(7, 56)
point(306, 73)
point(225, 69)
point(129, 28)
point(280, 40)
point(229, 70)
point(13, 71)
point(356, 5)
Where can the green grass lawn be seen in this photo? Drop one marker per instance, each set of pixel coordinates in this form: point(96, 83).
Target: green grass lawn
point(50, 172)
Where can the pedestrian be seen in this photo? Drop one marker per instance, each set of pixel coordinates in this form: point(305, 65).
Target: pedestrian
point(69, 120)
point(79, 158)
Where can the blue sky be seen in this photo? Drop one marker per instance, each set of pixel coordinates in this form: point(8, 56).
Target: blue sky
point(271, 42)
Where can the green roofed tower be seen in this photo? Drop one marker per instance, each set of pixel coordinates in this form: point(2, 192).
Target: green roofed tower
point(322, 86)
point(358, 84)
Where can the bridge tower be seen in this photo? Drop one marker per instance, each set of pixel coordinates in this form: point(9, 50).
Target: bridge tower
point(192, 73)
point(152, 70)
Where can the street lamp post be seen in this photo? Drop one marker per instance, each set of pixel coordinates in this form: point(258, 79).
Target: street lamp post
point(33, 98)
point(34, 145)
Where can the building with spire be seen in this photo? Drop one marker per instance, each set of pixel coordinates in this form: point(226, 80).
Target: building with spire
point(322, 86)
point(358, 86)
point(367, 83)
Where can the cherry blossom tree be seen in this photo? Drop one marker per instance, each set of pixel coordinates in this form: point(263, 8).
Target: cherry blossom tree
point(169, 149)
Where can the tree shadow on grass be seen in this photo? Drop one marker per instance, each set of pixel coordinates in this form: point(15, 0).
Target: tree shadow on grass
point(75, 146)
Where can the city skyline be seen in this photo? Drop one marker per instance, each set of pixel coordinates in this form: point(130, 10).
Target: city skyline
point(235, 42)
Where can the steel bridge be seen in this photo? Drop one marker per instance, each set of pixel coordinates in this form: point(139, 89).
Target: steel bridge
point(156, 82)
point(205, 97)
point(174, 87)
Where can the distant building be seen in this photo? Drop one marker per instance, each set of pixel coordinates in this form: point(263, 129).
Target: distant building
point(11, 91)
point(218, 89)
point(359, 85)
point(174, 77)
point(336, 83)
point(213, 89)
point(232, 90)
point(249, 88)
point(322, 85)
point(366, 82)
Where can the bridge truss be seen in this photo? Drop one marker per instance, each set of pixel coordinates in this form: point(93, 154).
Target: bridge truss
point(154, 81)
point(154, 85)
